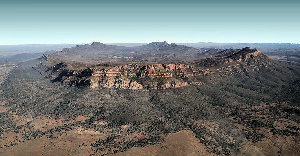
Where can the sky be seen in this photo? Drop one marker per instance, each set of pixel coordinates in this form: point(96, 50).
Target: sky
point(143, 21)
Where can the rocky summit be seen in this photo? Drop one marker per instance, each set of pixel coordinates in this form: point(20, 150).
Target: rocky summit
point(154, 99)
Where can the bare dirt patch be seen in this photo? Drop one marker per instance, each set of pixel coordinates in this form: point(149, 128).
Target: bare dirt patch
point(75, 142)
point(176, 144)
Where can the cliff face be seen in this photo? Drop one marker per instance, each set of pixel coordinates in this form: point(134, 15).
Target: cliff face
point(127, 76)
point(138, 76)
point(157, 75)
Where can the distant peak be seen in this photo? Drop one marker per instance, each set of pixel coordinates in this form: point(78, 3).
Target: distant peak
point(96, 44)
point(159, 44)
point(236, 52)
point(249, 50)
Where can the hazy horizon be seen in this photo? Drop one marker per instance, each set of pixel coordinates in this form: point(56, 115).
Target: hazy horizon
point(147, 43)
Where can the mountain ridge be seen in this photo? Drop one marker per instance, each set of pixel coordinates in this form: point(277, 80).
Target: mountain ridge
point(152, 75)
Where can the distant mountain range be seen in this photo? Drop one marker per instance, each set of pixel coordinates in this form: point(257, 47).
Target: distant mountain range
point(241, 45)
point(6, 50)
point(153, 52)
point(9, 50)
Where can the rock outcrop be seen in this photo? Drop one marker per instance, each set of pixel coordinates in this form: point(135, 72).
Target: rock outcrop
point(138, 76)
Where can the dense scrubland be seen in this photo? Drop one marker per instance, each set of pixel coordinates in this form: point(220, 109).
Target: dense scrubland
point(241, 113)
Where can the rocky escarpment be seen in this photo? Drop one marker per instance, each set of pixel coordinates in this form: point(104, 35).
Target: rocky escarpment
point(127, 76)
point(140, 75)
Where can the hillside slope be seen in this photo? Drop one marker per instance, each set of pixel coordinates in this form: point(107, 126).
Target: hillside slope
point(246, 103)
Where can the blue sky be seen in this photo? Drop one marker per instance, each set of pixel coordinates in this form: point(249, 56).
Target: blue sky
point(52, 22)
